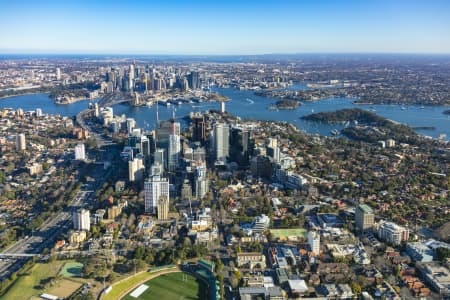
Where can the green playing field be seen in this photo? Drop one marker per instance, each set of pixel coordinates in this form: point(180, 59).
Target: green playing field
point(173, 286)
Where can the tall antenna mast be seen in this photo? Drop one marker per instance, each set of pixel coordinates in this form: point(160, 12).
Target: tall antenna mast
point(157, 123)
point(157, 113)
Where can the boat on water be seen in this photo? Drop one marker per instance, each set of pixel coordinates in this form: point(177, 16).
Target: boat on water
point(250, 100)
point(334, 132)
point(403, 108)
point(422, 107)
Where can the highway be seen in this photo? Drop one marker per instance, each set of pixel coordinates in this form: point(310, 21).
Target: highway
point(14, 257)
point(100, 139)
point(42, 238)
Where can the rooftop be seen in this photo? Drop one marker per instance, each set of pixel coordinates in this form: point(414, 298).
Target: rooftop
point(366, 208)
point(297, 285)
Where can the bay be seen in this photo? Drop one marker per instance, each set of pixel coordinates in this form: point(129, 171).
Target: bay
point(247, 105)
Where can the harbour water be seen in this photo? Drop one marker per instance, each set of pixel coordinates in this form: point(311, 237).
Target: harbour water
point(247, 105)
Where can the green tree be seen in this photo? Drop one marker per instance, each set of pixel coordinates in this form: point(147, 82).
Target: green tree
point(442, 253)
point(139, 252)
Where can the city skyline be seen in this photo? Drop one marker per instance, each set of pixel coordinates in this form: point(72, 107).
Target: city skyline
point(225, 28)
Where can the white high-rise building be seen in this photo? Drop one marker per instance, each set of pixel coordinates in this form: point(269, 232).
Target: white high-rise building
point(38, 112)
point(131, 72)
point(201, 182)
point(155, 187)
point(82, 220)
point(314, 242)
point(20, 142)
point(221, 141)
point(136, 169)
point(80, 153)
point(96, 110)
point(174, 152)
point(58, 74)
point(131, 124)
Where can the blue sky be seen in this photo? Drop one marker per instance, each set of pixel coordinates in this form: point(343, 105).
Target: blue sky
point(224, 27)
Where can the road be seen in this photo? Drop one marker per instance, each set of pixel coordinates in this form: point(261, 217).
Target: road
point(100, 139)
point(42, 238)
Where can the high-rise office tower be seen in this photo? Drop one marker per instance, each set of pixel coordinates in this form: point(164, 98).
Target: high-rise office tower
point(201, 182)
point(131, 74)
point(174, 152)
point(155, 187)
point(221, 141)
point(144, 145)
point(198, 128)
point(241, 145)
point(96, 110)
point(110, 77)
point(81, 219)
point(160, 157)
point(131, 124)
point(194, 80)
point(364, 217)
point(166, 128)
point(20, 142)
point(80, 153)
point(58, 74)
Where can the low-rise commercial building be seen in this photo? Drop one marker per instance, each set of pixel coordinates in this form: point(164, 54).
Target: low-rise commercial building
point(251, 260)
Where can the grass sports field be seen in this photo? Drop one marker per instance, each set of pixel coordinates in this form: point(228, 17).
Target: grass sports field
point(285, 233)
point(173, 286)
point(30, 284)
